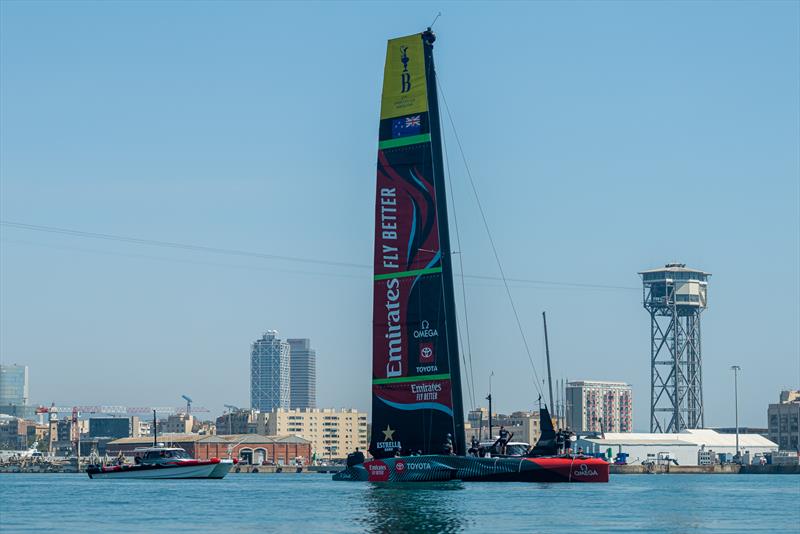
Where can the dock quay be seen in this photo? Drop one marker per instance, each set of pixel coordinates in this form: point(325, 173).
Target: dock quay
point(718, 469)
point(69, 467)
point(275, 469)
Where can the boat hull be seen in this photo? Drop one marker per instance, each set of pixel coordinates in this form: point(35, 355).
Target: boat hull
point(438, 468)
point(199, 469)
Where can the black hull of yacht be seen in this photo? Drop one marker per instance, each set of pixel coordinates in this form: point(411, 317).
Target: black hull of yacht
point(439, 468)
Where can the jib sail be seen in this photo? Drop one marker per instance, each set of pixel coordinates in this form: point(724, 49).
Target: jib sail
point(416, 386)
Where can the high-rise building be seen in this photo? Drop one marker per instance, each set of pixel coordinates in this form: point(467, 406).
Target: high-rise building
point(784, 421)
point(596, 406)
point(179, 423)
point(522, 426)
point(110, 427)
point(303, 383)
point(333, 433)
point(269, 373)
point(13, 385)
point(242, 421)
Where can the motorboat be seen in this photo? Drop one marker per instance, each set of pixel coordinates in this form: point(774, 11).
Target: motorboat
point(163, 462)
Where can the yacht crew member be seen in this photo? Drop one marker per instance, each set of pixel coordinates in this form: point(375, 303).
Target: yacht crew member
point(474, 446)
point(448, 445)
point(503, 441)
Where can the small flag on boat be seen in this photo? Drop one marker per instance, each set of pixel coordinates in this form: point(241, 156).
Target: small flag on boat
point(405, 126)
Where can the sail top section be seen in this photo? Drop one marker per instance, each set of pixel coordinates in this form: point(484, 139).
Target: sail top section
point(404, 88)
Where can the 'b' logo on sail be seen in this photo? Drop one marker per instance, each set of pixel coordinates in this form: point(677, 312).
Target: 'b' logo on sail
point(405, 76)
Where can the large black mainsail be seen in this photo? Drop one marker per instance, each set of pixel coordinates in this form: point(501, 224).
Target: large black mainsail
point(416, 382)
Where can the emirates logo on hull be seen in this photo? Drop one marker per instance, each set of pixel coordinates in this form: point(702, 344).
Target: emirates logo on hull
point(377, 471)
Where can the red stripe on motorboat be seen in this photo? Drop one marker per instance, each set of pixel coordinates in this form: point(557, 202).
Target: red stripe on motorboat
point(183, 463)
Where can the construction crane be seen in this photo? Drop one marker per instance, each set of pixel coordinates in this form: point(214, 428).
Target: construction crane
point(128, 410)
point(188, 404)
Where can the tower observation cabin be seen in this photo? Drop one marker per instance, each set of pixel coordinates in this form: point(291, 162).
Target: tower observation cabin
point(675, 296)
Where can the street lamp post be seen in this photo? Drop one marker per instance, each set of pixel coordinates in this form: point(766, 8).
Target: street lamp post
point(489, 398)
point(736, 369)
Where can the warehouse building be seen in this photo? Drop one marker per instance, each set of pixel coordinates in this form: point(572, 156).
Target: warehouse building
point(689, 447)
point(249, 448)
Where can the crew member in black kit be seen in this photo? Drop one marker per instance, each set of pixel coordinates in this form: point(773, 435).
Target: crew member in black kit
point(503, 441)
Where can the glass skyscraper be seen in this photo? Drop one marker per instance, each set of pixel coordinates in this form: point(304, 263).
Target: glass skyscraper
point(269, 373)
point(13, 385)
point(303, 391)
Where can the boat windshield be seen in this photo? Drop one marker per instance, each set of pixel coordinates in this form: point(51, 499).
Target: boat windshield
point(177, 454)
point(516, 449)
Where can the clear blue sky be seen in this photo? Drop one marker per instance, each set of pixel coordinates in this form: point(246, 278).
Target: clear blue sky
point(605, 138)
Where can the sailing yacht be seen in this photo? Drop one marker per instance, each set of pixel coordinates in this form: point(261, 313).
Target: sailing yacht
point(417, 407)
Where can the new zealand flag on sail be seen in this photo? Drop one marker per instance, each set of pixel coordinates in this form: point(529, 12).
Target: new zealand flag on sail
point(405, 126)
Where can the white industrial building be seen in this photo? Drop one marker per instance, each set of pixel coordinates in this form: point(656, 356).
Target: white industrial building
point(683, 447)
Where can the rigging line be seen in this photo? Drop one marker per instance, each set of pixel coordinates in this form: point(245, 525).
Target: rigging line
point(545, 282)
point(4, 240)
point(202, 248)
point(470, 390)
point(491, 241)
point(461, 269)
point(170, 244)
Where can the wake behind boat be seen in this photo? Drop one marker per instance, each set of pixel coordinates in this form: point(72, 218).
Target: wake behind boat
point(417, 408)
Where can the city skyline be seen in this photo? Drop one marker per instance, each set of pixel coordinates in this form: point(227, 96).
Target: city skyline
point(577, 140)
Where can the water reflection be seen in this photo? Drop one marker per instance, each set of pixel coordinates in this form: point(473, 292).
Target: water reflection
point(409, 507)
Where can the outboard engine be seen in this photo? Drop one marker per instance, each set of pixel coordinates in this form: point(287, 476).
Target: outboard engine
point(355, 458)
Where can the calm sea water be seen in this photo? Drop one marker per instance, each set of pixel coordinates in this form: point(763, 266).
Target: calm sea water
point(314, 503)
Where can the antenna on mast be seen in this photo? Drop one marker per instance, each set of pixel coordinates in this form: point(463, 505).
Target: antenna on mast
point(439, 14)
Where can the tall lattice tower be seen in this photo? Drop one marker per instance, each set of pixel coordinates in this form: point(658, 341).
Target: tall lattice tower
point(675, 296)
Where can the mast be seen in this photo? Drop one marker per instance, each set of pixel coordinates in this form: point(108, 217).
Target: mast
point(451, 324)
point(155, 430)
point(547, 351)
